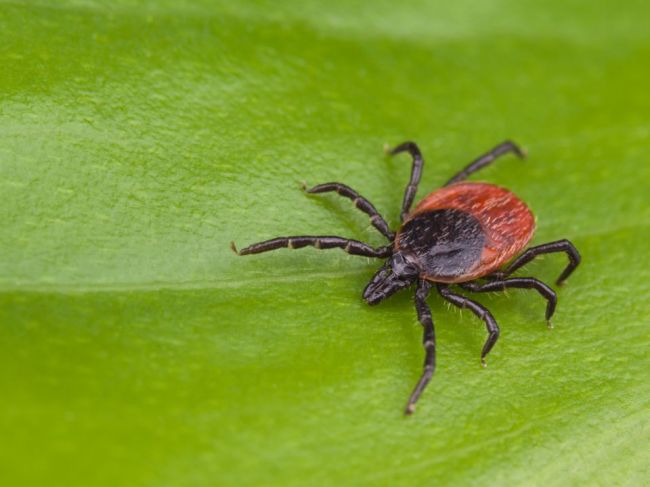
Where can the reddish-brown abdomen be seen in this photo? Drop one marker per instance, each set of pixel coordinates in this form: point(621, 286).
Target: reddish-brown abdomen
point(506, 221)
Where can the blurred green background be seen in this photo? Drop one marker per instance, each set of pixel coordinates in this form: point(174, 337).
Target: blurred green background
point(137, 139)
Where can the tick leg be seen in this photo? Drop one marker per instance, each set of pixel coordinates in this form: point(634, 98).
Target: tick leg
point(360, 202)
point(547, 248)
point(428, 341)
point(520, 283)
point(353, 247)
point(416, 173)
point(486, 159)
point(480, 311)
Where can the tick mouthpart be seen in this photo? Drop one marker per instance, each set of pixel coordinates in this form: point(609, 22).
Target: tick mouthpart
point(234, 248)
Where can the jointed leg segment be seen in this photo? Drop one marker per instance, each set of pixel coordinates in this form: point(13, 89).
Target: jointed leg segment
point(416, 173)
point(350, 246)
point(360, 202)
point(486, 159)
point(547, 248)
point(480, 311)
point(520, 283)
point(428, 341)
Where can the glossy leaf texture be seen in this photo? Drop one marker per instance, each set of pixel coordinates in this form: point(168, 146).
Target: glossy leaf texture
point(137, 139)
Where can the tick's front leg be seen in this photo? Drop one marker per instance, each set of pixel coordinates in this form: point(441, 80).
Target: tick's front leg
point(350, 246)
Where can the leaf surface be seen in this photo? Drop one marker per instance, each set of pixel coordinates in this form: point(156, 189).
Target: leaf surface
point(137, 139)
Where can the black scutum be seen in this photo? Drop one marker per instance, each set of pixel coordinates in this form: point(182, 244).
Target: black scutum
point(447, 243)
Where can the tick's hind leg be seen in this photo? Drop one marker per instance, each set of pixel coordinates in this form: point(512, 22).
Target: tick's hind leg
point(547, 248)
point(416, 173)
point(486, 159)
point(353, 247)
point(428, 341)
point(520, 283)
point(480, 311)
point(360, 202)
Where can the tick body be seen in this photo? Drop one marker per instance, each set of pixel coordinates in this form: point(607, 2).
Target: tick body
point(465, 231)
point(465, 235)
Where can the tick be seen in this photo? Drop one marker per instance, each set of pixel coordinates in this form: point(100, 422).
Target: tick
point(465, 235)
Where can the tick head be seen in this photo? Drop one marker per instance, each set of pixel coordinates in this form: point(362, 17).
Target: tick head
point(397, 273)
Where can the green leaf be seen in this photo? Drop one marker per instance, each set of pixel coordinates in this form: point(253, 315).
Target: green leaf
point(137, 139)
